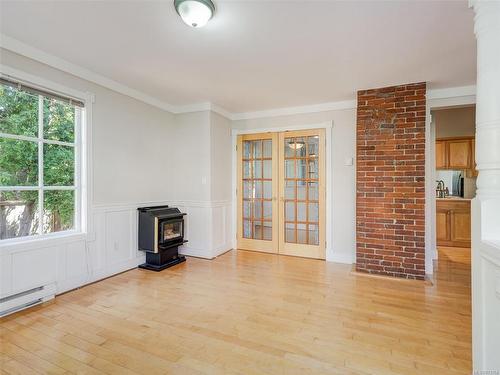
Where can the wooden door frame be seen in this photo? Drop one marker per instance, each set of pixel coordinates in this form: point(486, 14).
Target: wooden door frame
point(329, 202)
point(296, 249)
point(454, 100)
point(255, 244)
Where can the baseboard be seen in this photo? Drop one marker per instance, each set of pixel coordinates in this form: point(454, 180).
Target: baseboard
point(426, 281)
point(222, 249)
point(72, 283)
point(339, 257)
point(205, 253)
point(103, 273)
point(194, 252)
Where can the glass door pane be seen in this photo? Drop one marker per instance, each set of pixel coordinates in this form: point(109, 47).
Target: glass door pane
point(257, 192)
point(281, 193)
point(301, 189)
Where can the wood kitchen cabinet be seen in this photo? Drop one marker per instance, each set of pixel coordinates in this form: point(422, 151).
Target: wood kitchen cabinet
point(459, 152)
point(453, 223)
point(440, 155)
point(461, 226)
point(455, 153)
point(472, 172)
point(443, 231)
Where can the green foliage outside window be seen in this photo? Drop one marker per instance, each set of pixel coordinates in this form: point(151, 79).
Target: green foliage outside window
point(19, 164)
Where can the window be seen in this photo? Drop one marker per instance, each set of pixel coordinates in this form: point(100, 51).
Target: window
point(39, 150)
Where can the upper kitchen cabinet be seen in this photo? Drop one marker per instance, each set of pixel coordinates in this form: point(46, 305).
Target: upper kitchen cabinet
point(459, 152)
point(472, 172)
point(455, 153)
point(440, 155)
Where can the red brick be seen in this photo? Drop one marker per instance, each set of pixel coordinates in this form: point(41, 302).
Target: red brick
point(390, 191)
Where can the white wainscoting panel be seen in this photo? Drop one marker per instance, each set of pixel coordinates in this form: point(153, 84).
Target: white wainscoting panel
point(119, 227)
point(197, 231)
point(34, 268)
point(5, 275)
point(221, 228)
point(110, 247)
point(208, 228)
point(75, 266)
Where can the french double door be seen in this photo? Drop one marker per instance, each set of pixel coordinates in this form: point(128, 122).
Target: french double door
point(281, 193)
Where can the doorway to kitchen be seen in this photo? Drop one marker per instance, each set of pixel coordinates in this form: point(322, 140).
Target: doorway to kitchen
point(281, 192)
point(455, 175)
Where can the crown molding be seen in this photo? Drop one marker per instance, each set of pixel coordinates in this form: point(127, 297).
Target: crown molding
point(33, 53)
point(206, 106)
point(26, 50)
point(53, 61)
point(195, 107)
point(221, 111)
point(447, 93)
point(287, 111)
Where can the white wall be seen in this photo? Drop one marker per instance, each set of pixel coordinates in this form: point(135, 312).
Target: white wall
point(455, 122)
point(221, 147)
point(202, 174)
point(127, 138)
point(189, 157)
point(141, 155)
point(343, 146)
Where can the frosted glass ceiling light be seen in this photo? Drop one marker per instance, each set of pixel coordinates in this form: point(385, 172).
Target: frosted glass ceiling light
point(296, 145)
point(195, 13)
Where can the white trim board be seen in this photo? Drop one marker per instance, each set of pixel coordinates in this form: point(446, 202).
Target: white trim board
point(182, 203)
point(286, 111)
point(437, 99)
point(44, 84)
point(34, 53)
point(324, 125)
point(452, 92)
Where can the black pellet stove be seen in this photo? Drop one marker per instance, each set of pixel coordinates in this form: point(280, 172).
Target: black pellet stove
point(161, 232)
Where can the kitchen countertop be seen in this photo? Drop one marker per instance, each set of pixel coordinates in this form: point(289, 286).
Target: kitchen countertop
point(453, 199)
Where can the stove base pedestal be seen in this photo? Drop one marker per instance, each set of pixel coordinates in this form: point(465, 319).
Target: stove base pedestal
point(163, 259)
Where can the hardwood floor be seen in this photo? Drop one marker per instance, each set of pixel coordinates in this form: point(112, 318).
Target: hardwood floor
point(250, 313)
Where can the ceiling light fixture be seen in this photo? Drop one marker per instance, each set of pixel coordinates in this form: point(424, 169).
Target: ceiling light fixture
point(195, 13)
point(296, 145)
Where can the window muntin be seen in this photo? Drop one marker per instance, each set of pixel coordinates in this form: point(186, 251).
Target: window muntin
point(38, 163)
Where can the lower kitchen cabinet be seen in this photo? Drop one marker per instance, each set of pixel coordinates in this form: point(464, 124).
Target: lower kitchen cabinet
point(453, 222)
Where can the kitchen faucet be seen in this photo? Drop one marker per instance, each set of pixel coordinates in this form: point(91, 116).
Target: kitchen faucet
point(441, 191)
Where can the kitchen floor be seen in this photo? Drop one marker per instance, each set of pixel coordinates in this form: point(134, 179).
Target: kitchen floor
point(453, 264)
point(251, 313)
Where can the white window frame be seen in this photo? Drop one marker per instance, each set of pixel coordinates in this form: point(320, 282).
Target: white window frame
point(82, 184)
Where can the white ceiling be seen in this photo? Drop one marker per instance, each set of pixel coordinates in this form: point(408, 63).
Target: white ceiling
point(255, 55)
